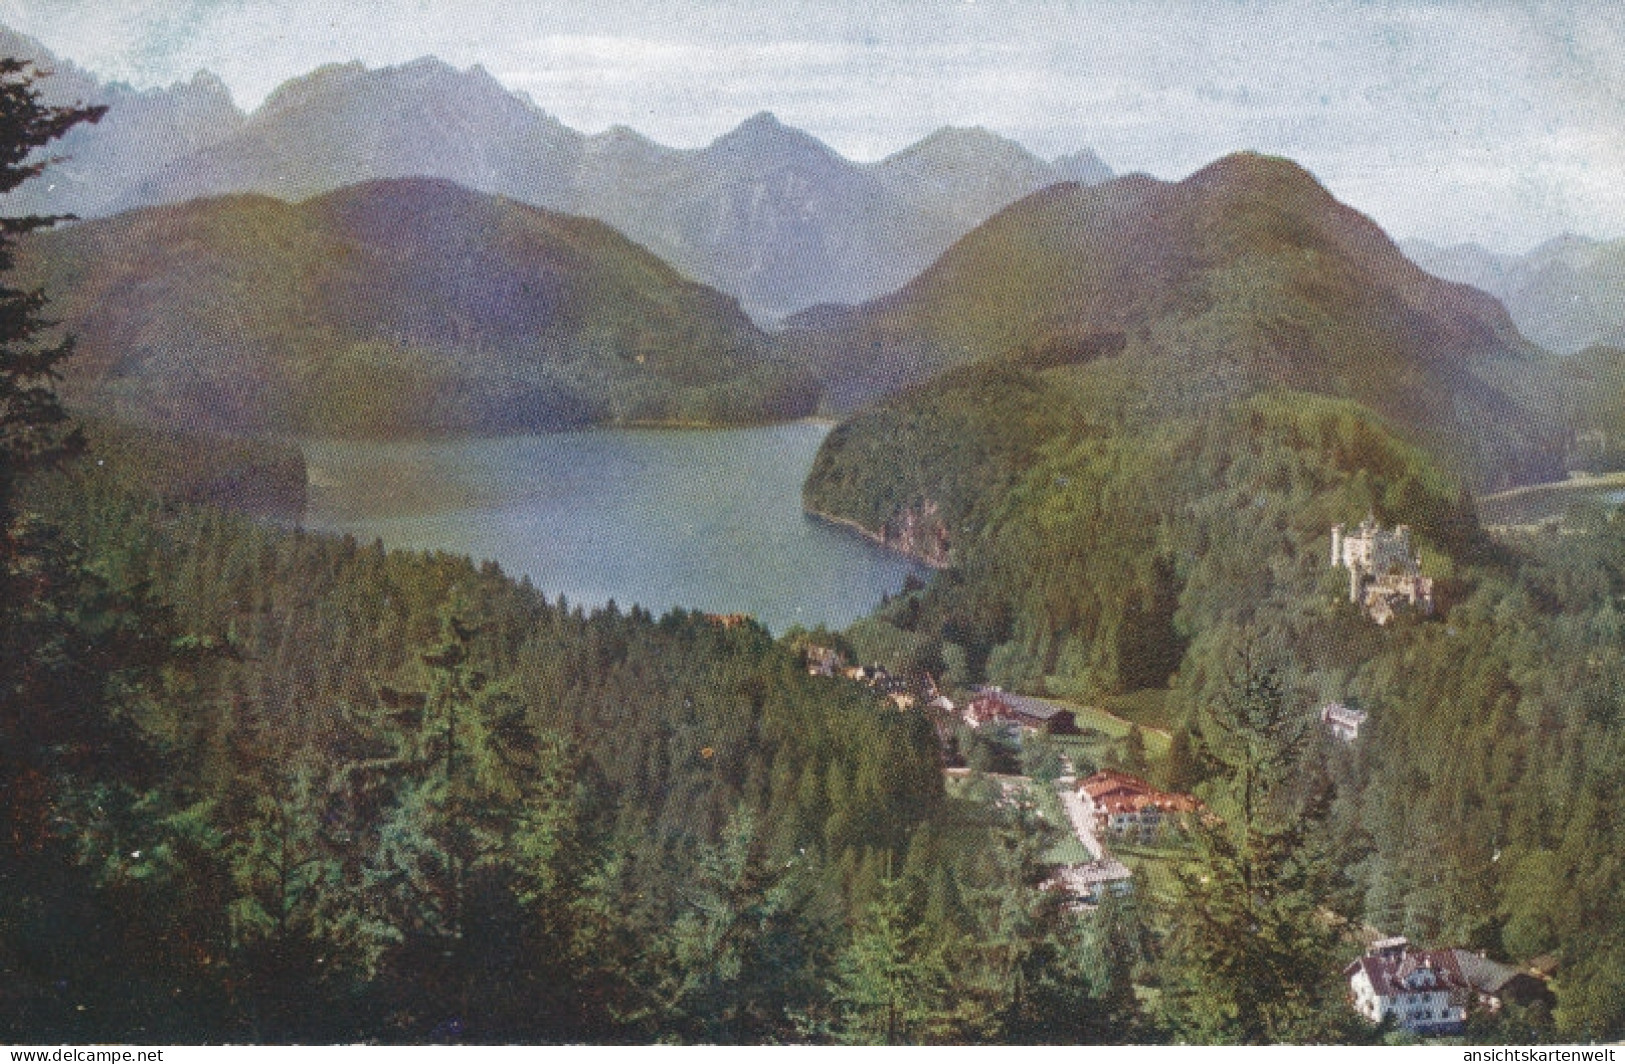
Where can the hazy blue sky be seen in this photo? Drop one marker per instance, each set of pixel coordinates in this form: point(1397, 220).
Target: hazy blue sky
point(1502, 122)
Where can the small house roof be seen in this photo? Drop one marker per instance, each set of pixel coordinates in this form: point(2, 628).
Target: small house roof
point(1418, 971)
point(1483, 974)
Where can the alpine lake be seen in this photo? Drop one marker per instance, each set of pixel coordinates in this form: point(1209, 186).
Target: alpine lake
point(704, 519)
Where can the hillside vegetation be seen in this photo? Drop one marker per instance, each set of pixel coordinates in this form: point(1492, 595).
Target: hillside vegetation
point(1246, 276)
point(397, 308)
point(260, 477)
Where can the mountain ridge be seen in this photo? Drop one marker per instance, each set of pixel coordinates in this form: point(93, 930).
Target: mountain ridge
point(1567, 293)
point(765, 212)
point(406, 307)
point(1246, 275)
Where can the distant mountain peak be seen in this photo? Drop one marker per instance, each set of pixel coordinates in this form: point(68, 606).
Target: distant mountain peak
point(297, 91)
point(618, 135)
point(1084, 167)
point(1563, 242)
point(980, 136)
point(208, 80)
point(428, 63)
point(763, 135)
point(963, 144)
point(761, 121)
point(423, 74)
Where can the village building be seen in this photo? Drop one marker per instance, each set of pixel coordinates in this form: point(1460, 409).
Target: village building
point(1432, 991)
point(994, 706)
point(1122, 804)
point(1089, 884)
point(1385, 570)
point(822, 661)
point(988, 707)
point(1035, 714)
point(1497, 984)
point(1342, 721)
point(873, 675)
point(1419, 990)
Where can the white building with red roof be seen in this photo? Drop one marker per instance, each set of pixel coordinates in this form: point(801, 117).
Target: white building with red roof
point(1420, 990)
point(1124, 804)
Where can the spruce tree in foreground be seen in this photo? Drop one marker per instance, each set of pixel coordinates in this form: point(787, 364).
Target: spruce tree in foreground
point(1255, 956)
point(84, 840)
point(33, 435)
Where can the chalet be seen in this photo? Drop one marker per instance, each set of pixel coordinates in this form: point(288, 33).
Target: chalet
point(988, 707)
point(1497, 984)
point(873, 675)
point(1342, 721)
point(729, 620)
point(1431, 991)
point(1122, 804)
point(994, 706)
point(1420, 990)
point(1036, 714)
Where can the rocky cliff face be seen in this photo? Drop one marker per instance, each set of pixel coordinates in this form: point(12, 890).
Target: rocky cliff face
point(920, 532)
point(143, 132)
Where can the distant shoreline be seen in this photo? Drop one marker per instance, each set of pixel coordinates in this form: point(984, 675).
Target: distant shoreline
point(1586, 483)
point(408, 438)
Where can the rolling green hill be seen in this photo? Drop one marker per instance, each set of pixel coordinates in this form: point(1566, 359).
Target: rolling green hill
point(1245, 277)
point(394, 308)
point(1128, 415)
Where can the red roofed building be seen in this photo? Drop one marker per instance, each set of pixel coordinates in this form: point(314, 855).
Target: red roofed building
point(988, 707)
point(1420, 990)
point(1125, 804)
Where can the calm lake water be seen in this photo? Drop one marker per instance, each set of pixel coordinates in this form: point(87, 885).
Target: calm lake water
point(707, 520)
point(1546, 503)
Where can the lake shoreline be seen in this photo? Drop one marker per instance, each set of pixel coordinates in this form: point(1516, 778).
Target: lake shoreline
point(665, 518)
point(874, 537)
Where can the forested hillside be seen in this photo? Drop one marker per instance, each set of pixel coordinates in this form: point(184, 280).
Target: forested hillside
point(311, 790)
point(1245, 276)
point(398, 308)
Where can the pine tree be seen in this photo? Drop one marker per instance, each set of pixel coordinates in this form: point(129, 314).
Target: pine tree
point(33, 435)
point(1027, 979)
point(738, 962)
point(890, 986)
point(81, 837)
point(1134, 758)
point(33, 438)
point(1253, 952)
point(1182, 770)
point(301, 938)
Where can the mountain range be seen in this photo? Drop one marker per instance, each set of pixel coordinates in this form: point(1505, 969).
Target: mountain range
point(143, 132)
point(393, 308)
point(766, 213)
point(1568, 294)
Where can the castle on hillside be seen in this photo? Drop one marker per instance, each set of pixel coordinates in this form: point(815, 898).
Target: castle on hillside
point(1385, 571)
